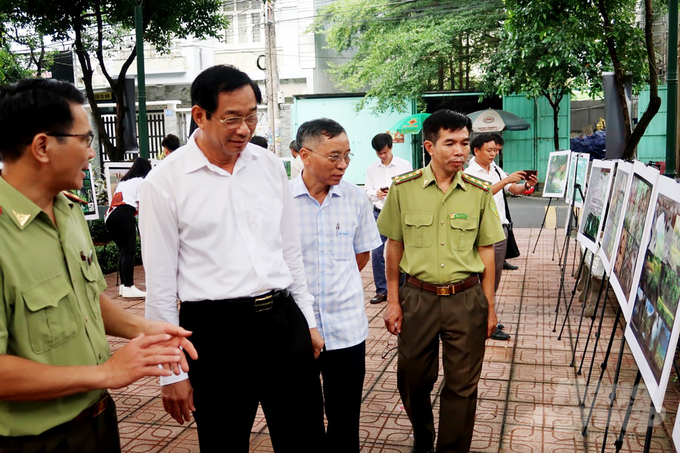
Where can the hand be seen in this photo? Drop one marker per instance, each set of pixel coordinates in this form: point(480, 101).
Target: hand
point(179, 339)
point(491, 323)
point(317, 341)
point(515, 177)
point(140, 358)
point(178, 400)
point(381, 195)
point(532, 181)
point(393, 316)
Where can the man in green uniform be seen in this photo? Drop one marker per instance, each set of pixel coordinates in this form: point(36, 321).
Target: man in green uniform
point(441, 225)
point(55, 361)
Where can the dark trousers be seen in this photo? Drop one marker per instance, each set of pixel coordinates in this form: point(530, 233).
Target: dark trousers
point(499, 249)
point(378, 262)
point(250, 355)
point(91, 434)
point(343, 372)
point(123, 228)
point(460, 321)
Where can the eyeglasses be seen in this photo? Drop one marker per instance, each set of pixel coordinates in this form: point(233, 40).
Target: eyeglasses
point(334, 158)
point(89, 137)
point(389, 347)
point(235, 121)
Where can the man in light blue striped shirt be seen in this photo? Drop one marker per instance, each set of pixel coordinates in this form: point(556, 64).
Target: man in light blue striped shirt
point(337, 231)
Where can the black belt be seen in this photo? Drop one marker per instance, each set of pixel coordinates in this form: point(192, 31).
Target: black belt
point(376, 209)
point(445, 290)
point(262, 302)
point(94, 410)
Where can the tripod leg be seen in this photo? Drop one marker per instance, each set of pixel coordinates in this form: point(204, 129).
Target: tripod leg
point(580, 322)
point(590, 330)
point(605, 284)
point(612, 395)
point(624, 426)
point(650, 428)
point(559, 296)
point(545, 216)
point(604, 368)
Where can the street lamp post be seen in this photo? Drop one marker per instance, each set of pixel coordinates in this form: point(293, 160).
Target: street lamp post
point(141, 83)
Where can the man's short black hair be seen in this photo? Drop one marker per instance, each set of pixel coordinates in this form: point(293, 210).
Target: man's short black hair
point(447, 120)
point(218, 79)
point(259, 141)
point(32, 106)
point(293, 145)
point(309, 133)
point(482, 139)
point(171, 141)
point(380, 141)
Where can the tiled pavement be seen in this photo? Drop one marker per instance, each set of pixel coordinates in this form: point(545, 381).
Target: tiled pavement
point(529, 398)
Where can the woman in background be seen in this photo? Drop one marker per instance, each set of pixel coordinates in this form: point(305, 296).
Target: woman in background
point(120, 221)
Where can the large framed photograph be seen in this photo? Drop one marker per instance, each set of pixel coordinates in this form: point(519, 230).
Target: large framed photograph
point(556, 174)
point(113, 172)
point(578, 174)
point(595, 204)
point(630, 236)
point(652, 332)
point(617, 204)
point(88, 194)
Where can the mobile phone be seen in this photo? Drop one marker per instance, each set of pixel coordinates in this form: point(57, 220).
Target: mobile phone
point(384, 189)
point(530, 172)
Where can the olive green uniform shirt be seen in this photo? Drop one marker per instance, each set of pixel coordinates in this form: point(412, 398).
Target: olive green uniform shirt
point(50, 283)
point(440, 231)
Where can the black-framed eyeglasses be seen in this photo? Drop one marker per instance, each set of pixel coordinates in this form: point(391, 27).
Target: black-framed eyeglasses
point(89, 137)
point(334, 158)
point(235, 121)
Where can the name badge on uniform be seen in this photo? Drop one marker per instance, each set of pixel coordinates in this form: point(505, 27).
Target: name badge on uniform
point(459, 216)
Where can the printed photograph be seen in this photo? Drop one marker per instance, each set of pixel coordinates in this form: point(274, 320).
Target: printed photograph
point(556, 174)
point(87, 193)
point(613, 220)
point(578, 172)
point(596, 204)
point(631, 235)
point(658, 293)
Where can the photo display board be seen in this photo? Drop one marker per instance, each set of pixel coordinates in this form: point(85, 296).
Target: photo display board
point(617, 203)
point(578, 174)
point(595, 205)
point(113, 172)
point(287, 164)
point(652, 331)
point(630, 233)
point(87, 193)
point(556, 174)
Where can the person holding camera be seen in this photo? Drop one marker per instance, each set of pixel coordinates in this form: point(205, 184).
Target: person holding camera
point(378, 181)
point(485, 148)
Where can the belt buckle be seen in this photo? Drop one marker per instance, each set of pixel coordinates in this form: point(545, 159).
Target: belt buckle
point(99, 408)
point(263, 303)
point(445, 290)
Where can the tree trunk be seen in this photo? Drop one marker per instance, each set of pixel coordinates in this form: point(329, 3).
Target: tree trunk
point(467, 61)
point(629, 151)
point(440, 73)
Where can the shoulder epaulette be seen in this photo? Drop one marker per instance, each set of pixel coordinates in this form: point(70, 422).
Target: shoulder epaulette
point(73, 197)
point(479, 183)
point(410, 176)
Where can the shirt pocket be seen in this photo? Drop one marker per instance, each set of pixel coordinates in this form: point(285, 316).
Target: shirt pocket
point(92, 274)
point(418, 231)
point(463, 233)
point(50, 314)
point(343, 245)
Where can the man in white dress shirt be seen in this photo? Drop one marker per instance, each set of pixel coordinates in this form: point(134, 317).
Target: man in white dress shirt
point(296, 166)
point(218, 232)
point(378, 181)
point(482, 166)
point(337, 232)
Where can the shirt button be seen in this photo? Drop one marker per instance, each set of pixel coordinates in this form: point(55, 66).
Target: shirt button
point(442, 243)
point(100, 356)
point(87, 319)
point(442, 264)
point(442, 222)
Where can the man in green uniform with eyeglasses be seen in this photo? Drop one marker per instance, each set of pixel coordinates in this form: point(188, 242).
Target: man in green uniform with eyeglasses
point(55, 361)
point(441, 225)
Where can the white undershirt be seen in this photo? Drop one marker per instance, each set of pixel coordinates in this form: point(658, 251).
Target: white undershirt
point(211, 235)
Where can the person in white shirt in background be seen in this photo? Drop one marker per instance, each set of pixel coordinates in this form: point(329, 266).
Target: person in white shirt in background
point(378, 181)
point(121, 223)
point(218, 232)
point(485, 148)
point(297, 165)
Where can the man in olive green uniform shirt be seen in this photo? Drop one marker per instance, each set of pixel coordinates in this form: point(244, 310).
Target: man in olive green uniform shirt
point(55, 361)
point(441, 226)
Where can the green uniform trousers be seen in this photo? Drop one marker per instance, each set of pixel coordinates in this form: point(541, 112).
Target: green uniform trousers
point(460, 320)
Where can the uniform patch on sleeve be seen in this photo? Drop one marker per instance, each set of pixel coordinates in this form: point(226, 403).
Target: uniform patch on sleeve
point(410, 176)
point(494, 209)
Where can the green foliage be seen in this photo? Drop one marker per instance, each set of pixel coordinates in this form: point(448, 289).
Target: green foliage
point(399, 50)
point(106, 249)
point(98, 231)
point(11, 67)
